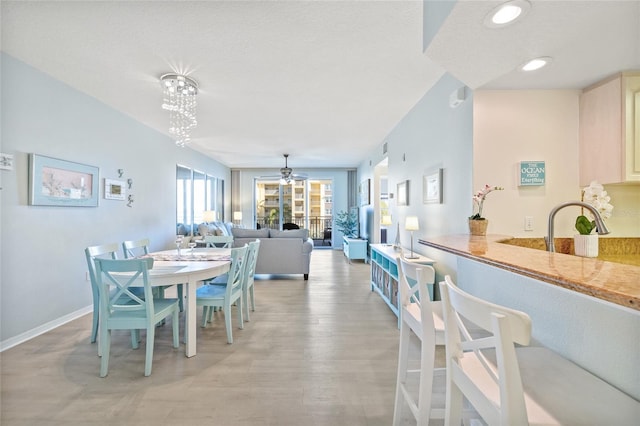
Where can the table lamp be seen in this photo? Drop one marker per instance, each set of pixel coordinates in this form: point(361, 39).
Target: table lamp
point(209, 216)
point(411, 224)
point(384, 222)
point(237, 217)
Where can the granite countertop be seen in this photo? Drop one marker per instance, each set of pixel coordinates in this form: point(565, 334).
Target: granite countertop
point(601, 278)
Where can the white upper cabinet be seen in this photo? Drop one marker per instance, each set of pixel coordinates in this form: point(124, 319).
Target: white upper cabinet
point(610, 130)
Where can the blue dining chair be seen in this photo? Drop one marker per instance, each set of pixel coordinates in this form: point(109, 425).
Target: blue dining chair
point(116, 279)
point(219, 296)
point(219, 241)
point(107, 251)
point(136, 248)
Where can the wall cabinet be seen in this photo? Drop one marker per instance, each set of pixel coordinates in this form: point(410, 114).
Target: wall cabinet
point(354, 248)
point(610, 130)
point(384, 274)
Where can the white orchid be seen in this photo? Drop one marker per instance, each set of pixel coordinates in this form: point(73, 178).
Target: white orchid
point(595, 195)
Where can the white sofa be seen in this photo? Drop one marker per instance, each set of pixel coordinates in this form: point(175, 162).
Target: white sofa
point(281, 252)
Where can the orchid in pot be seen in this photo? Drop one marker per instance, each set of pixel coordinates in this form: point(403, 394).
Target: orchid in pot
point(586, 243)
point(477, 223)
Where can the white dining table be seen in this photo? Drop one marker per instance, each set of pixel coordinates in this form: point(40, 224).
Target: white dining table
point(189, 269)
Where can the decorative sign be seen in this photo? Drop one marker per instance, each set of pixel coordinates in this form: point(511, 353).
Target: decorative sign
point(532, 173)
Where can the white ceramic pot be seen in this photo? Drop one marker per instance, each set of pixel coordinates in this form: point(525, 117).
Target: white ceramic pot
point(586, 245)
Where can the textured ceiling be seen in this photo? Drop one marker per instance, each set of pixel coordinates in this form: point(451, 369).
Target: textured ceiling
point(322, 81)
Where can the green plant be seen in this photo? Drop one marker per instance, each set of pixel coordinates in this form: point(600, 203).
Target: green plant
point(347, 223)
point(584, 226)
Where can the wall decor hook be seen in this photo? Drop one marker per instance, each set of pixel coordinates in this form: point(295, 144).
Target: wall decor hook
point(130, 200)
point(130, 182)
point(120, 172)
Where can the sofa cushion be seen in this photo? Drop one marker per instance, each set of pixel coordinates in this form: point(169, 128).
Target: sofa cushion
point(250, 233)
point(208, 229)
point(293, 233)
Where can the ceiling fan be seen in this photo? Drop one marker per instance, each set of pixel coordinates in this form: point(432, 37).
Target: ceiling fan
point(286, 173)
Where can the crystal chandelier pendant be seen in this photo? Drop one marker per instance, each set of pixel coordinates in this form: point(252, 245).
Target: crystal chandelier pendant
point(180, 100)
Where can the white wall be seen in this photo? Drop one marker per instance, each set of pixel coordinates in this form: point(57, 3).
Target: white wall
point(513, 126)
point(432, 135)
point(43, 265)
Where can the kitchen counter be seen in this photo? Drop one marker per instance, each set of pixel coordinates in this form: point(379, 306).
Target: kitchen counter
point(614, 282)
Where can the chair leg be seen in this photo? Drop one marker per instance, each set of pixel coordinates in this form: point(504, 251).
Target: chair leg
point(240, 316)
point(253, 298)
point(105, 343)
point(245, 304)
point(94, 327)
point(181, 297)
point(205, 311)
point(427, 360)
point(151, 335)
point(227, 322)
point(176, 329)
point(453, 403)
point(135, 338)
point(403, 357)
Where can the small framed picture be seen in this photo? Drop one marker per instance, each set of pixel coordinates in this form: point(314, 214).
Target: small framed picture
point(403, 193)
point(114, 189)
point(432, 187)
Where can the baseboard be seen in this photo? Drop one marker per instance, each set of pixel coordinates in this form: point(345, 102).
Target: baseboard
point(28, 335)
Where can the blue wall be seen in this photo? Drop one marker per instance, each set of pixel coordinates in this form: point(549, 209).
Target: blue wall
point(43, 266)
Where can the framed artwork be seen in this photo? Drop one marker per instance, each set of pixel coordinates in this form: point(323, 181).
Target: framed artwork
point(403, 193)
point(114, 189)
point(432, 187)
point(54, 182)
point(364, 191)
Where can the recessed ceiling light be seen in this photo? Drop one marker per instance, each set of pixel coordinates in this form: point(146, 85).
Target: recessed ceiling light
point(536, 64)
point(507, 13)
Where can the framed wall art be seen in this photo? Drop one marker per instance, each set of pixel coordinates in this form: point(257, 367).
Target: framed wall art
point(432, 187)
point(55, 182)
point(403, 193)
point(114, 189)
point(364, 191)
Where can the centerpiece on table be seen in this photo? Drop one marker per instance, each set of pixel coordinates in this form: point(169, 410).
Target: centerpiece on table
point(586, 241)
point(477, 223)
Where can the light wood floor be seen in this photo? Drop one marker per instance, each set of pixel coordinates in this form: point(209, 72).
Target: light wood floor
point(321, 352)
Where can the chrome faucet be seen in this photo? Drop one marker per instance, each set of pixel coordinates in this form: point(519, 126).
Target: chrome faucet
point(601, 228)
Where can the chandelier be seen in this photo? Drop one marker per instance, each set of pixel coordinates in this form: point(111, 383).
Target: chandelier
point(180, 100)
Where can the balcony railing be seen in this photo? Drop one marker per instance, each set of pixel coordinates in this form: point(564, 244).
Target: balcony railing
point(315, 224)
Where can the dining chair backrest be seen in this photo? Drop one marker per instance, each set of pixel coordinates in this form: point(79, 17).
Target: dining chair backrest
point(135, 248)
point(219, 241)
point(250, 264)
point(91, 253)
point(114, 286)
point(235, 276)
point(468, 368)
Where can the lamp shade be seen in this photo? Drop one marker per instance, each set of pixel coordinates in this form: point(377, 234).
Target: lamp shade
point(237, 215)
point(209, 216)
point(386, 220)
point(411, 223)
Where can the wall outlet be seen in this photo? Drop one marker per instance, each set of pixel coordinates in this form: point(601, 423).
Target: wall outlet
point(528, 223)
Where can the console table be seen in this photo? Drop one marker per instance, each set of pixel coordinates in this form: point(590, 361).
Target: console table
point(354, 248)
point(384, 274)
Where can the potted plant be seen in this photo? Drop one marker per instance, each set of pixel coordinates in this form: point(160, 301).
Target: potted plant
point(586, 242)
point(477, 223)
point(347, 223)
